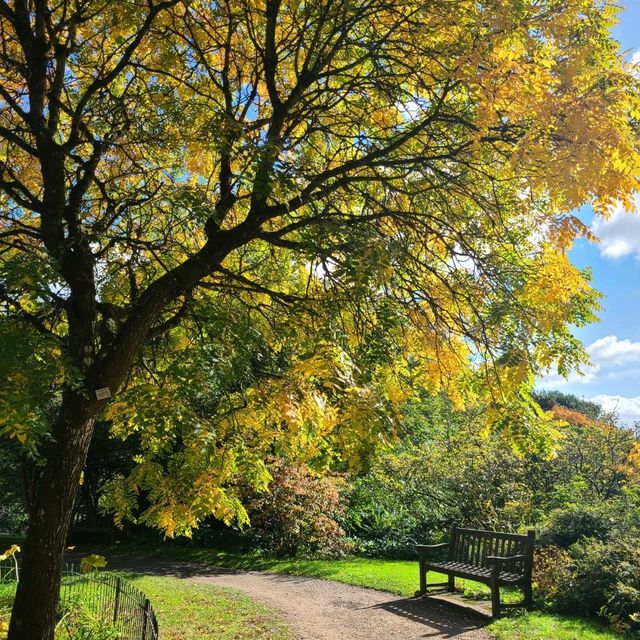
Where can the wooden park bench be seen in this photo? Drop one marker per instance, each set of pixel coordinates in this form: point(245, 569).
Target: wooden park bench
point(88, 525)
point(494, 558)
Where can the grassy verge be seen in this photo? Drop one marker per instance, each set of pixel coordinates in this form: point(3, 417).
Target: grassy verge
point(396, 576)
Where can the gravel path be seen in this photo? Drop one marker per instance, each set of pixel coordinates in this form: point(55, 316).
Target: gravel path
point(324, 610)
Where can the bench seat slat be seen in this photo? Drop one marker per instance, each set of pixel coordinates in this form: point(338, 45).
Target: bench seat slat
point(473, 572)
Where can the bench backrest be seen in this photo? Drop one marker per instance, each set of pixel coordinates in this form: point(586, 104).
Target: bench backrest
point(472, 546)
point(88, 519)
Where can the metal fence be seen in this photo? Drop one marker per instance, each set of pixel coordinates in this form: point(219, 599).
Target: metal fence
point(109, 600)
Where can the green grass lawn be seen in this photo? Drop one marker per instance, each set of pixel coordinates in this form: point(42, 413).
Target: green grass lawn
point(396, 576)
point(544, 626)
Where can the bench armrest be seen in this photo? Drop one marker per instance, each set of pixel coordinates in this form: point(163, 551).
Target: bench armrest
point(427, 547)
point(506, 559)
point(424, 549)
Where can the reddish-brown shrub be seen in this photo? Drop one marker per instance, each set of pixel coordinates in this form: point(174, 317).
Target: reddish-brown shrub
point(552, 574)
point(299, 514)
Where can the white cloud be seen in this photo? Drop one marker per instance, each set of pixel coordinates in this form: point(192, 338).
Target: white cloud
point(620, 234)
point(552, 380)
point(624, 373)
point(604, 353)
point(627, 409)
point(610, 351)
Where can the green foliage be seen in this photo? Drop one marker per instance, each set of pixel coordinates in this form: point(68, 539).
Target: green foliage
point(446, 468)
point(607, 580)
point(7, 594)
point(78, 621)
point(594, 459)
point(230, 389)
point(595, 578)
point(551, 573)
point(13, 516)
point(32, 368)
point(575, 522)
point(298, 514)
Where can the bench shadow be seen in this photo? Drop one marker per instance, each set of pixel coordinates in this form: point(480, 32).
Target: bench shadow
point(444, 619)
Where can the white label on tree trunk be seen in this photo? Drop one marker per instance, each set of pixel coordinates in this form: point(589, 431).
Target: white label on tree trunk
point(103, 394)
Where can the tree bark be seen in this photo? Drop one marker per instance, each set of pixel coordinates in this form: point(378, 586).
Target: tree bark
point(35, 607)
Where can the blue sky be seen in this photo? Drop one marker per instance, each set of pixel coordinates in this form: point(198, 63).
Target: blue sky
point(613, 343)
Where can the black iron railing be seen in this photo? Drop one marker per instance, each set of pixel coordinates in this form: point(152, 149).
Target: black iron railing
point(108, 599)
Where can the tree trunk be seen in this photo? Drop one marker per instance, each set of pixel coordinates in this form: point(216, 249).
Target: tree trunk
point(35, 607)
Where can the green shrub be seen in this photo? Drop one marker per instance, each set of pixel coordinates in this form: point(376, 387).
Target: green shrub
point(401, 548)
point(416, 493)
point(592, 578)
point(570, 525)
point(607, 579)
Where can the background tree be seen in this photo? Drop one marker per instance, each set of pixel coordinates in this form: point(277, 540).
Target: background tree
point(553, 398)
point(595, 453)
point(394, 156)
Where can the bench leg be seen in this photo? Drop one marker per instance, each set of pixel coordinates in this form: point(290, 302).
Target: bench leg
point(452, 583)
point(423, 591)
point(423, 579)
point(528, 596)
point(495, 600)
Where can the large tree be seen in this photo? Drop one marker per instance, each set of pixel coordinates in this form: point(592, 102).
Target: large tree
point(379, 159)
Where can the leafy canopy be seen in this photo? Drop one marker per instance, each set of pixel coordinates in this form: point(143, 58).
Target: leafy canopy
point(264, 225)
